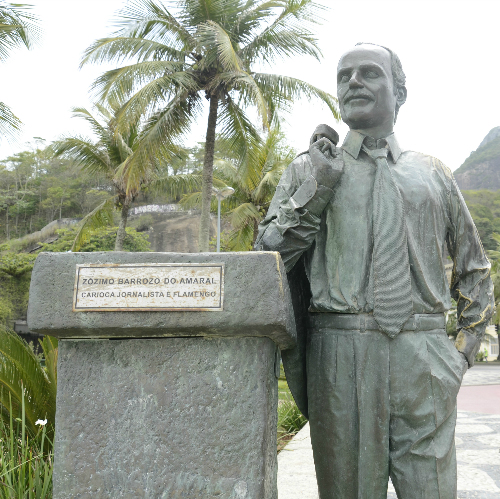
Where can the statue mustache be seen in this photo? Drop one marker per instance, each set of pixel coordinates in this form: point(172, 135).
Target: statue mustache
point(357, 95)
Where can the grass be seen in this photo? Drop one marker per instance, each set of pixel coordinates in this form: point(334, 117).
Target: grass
point(290, 419)
point(25, 461)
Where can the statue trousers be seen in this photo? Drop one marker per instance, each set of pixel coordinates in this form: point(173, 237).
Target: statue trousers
point(381, 407)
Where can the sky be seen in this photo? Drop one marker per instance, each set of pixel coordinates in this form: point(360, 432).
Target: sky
point(445, 46)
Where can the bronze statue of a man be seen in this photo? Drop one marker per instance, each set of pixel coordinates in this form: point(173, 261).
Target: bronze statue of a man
point(363, 231)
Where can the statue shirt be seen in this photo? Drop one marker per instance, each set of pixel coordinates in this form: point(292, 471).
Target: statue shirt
point(332, 229)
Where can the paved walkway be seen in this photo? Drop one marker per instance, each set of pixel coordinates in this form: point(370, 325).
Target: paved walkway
point(477, 440)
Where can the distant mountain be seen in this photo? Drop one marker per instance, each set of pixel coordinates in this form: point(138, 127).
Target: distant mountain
point(481, 170)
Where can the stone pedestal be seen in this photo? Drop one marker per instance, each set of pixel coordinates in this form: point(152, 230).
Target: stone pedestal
point(167, 404)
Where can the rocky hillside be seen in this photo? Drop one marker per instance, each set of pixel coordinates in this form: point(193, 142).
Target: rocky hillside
point(481, 170)
point(173, 232)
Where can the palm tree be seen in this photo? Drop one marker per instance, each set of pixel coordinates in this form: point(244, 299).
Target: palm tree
point(199, 49)
point(21, 371)
point(254, 182)
point(106, 156)
point(17, 27)
point(102, 156)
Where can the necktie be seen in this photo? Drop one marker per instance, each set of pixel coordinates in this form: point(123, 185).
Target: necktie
point(391, 267)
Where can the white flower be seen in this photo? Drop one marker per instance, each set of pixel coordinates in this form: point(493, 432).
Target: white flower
point(41, 422)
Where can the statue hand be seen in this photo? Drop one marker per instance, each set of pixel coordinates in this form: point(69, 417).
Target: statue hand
point(325, 170)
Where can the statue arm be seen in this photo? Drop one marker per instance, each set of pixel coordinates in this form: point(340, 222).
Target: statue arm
point(471, 284)
point(294, 216)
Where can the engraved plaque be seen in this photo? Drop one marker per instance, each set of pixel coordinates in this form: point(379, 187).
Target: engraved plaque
point(149, 287)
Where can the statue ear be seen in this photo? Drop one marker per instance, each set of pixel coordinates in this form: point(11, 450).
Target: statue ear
point(401, 94)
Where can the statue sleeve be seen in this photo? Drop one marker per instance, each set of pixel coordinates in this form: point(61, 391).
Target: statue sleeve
point(294, 215)
point(471, 284)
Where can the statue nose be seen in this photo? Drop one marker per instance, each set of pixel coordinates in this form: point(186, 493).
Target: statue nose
point(355, 81)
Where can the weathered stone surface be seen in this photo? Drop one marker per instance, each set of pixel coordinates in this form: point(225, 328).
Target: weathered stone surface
point(166, 418)
point(256, 301)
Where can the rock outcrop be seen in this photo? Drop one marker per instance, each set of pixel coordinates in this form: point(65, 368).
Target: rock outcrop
point(481, 170)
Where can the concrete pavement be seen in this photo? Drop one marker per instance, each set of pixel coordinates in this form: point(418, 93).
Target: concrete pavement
point(477, 439)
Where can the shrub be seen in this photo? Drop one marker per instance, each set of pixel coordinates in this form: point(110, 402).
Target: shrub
point(100, 240)
point(27, 388)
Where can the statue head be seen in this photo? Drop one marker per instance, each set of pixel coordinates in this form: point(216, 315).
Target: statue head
point(370, 87)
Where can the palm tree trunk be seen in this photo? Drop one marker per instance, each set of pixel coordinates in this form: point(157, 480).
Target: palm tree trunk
point(120, 234)
point(255, 231)
point(208, 169)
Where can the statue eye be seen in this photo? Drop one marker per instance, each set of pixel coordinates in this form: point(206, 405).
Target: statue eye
point(371, 74)
point(344, 78)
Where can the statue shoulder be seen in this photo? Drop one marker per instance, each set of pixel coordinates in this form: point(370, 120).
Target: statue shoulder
point(298, 170)
point(431, 164)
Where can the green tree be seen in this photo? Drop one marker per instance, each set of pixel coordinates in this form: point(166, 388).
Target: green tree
point(18, 27)
point(104, 155)
point(204, 49)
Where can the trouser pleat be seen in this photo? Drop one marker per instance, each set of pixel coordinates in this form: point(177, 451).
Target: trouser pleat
point(379, 406)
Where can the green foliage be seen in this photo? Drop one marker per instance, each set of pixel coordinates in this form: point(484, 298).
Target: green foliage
point(482, 355)
point(290, 420)
point(21, 375)
point(36, 188)
point(16, 264)
point(15, 276)
point(254, 182)
point(451, 323)
point(484, 206)
point(6, 310)
point(18, 27)
point(26, 459)
point(177, 58)
point(102, 239)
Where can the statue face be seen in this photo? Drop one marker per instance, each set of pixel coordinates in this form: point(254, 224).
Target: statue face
point(365, 87)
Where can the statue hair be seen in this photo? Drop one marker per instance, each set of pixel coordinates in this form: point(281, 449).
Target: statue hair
point(398, 75)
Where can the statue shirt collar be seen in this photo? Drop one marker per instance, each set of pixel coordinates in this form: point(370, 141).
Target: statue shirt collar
point(354, 140)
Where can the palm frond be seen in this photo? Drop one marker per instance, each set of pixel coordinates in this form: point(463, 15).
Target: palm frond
point(190, 201)
point(123, 148)
point(236, 129)
point(101, 131)
point(117, 85)
point(225, 169)
point(119, 49)
point(251, 17)
point(250, 91)
point(50, 353)
point(20, 371)
point(241, 239)
point(288, 34)
point(18, 27)
point(159, 135)
point(176, 185)
point(91, 157)
point(97, 218)
point(196, 12)
point(211, 34)
point(9, 122)
point(267, 186)
point(244, 214)
point(276, 87)
point(150, 19)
